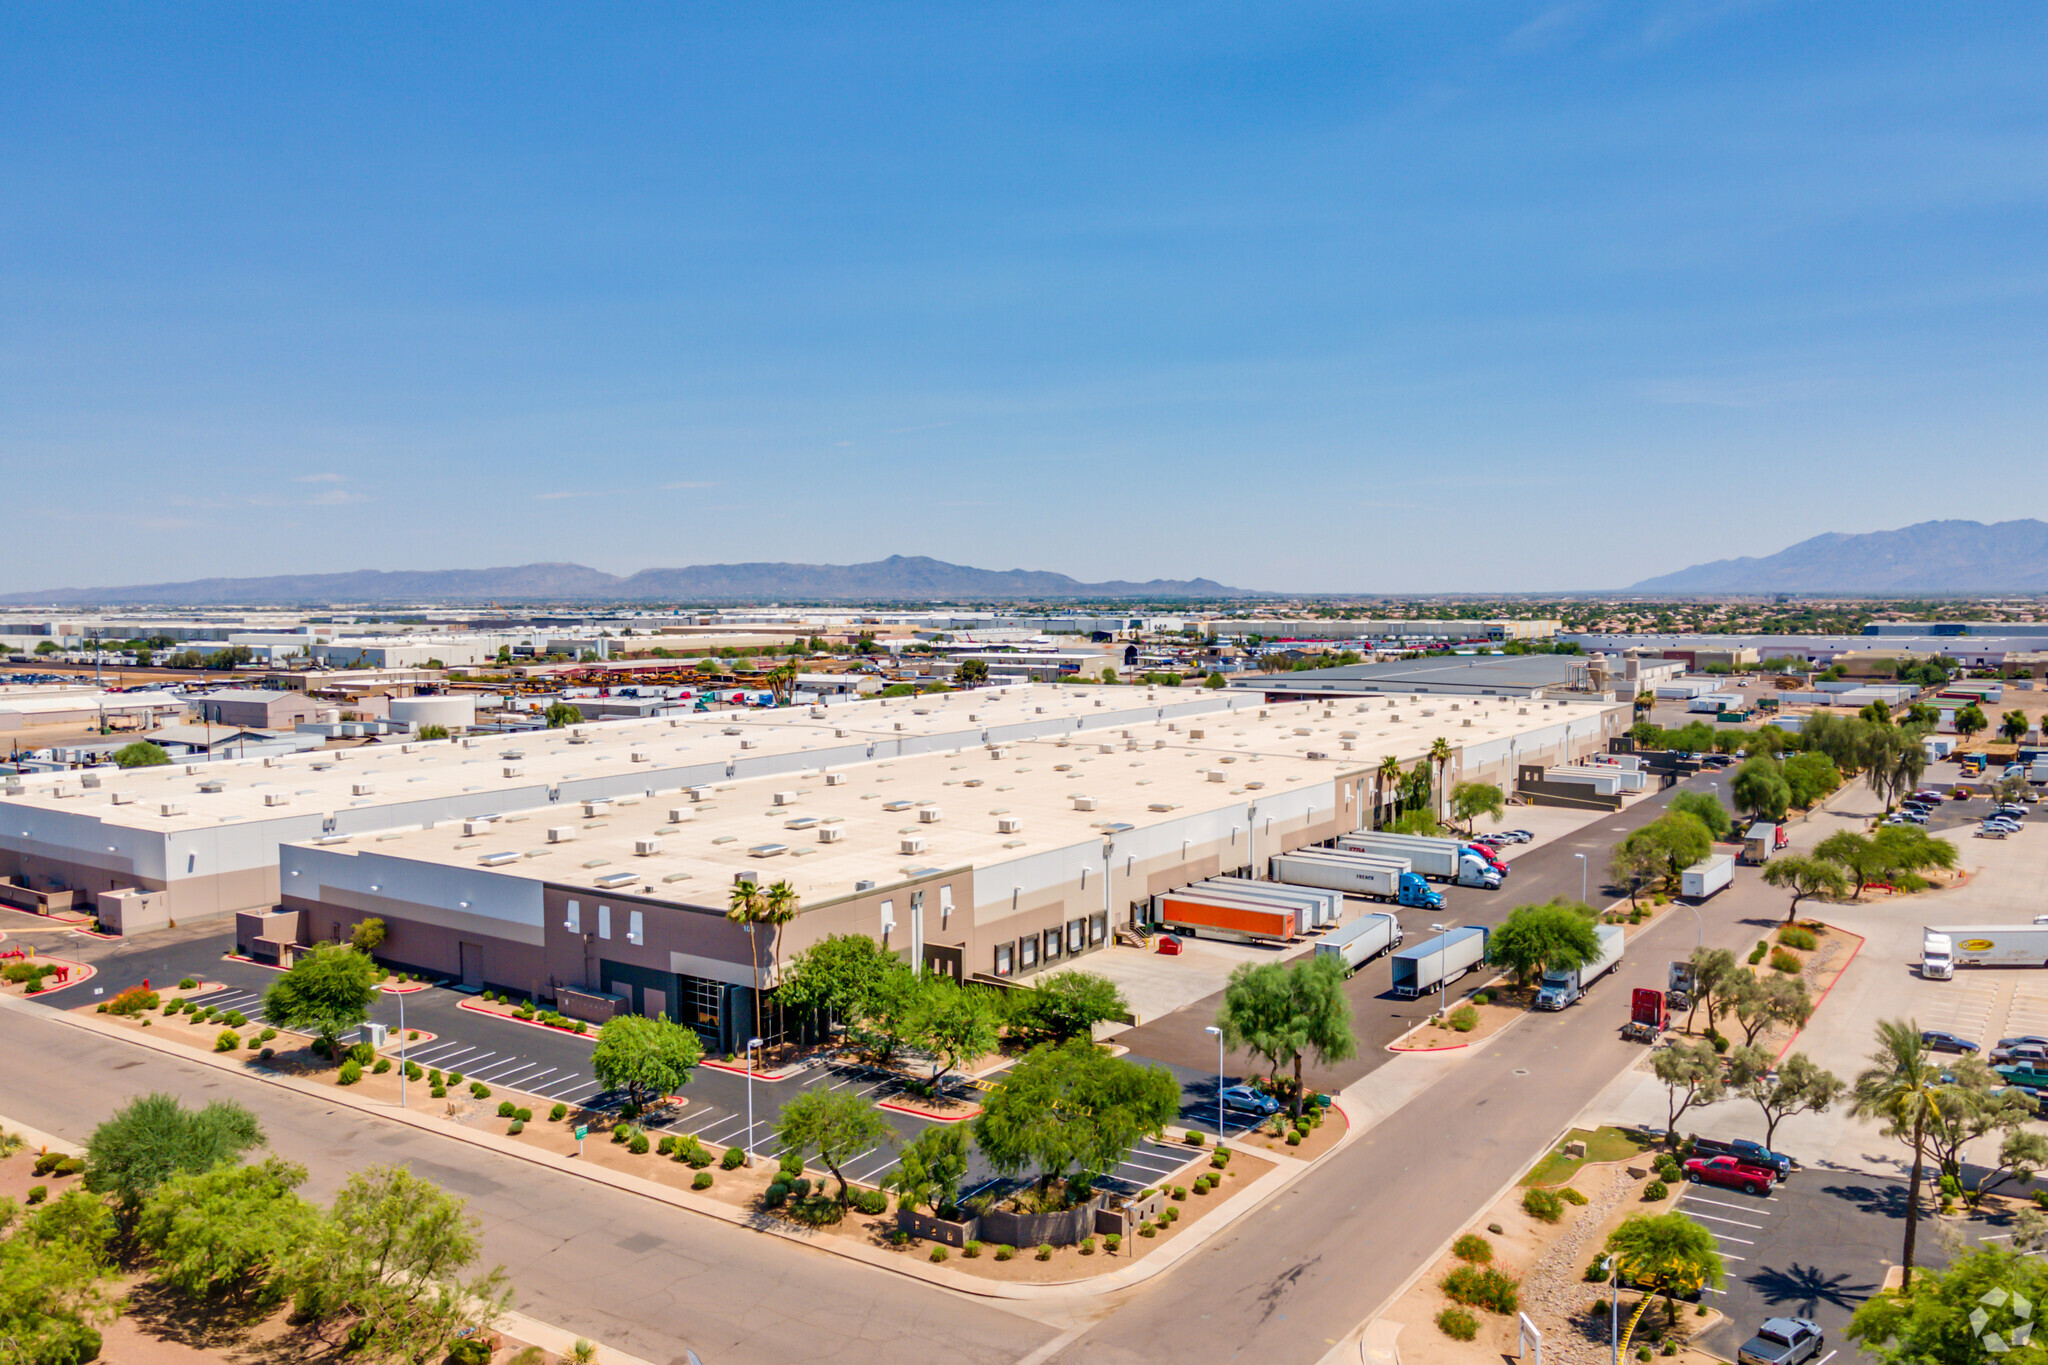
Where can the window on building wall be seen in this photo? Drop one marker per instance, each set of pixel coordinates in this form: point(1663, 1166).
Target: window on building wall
point(604, 921)
point(1027, 952)
point(572, 918)
point(1002, 959)
point(635, 930)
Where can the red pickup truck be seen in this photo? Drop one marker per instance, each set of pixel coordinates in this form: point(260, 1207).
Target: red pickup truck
point(1732, 1172)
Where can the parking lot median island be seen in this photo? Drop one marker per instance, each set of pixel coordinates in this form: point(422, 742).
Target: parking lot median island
point(1481, 1022)
point(42, 974)
point(531, 1016)
point(1325, 1127)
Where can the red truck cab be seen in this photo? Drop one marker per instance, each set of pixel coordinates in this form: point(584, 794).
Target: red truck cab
point(1731, 1172)
point(1493, 859)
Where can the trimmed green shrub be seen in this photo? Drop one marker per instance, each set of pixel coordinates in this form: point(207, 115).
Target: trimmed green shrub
point(869, 1201)
point(1045, 1251)
point(1294, 1137)
point(506, 1109)
point(436, 1077)
point(665, 1147)
point(455, 1078)
point(555, 1114)
point(1782, 961)
point(37, 1193)
point(1474, 1248)
point(1482, 997)
point(1170, 1215)
point(1792, 936)
point(1181, 1191)
point(1112, 1242)
point(1656, 1189)
point(696, 1156)
point(479, 1091)
point(268, 1034)
point(266, 1054)
point(412, 1071)
point(1457, 1324)
point(1147, 1230)
point(1087, 1246)
point(362, 1054)
point(938, 1254)
point(1756, 954)
point(1464, 1019)
point(1004, 1253)
point(515, 1128)
point(1482, 1287)
point(523, 1115)
point(734, 1158)
point(351, 1072)
point(1542, 1205)
point(701, 1181)
point(1195, 1137)
point(228, 1041)
point(383, 1065)
point(777, 1195)
point(638, 1146)
point(1571, 1196)
point(1597, 1272)
point(235, 1019)
point(188, 983)
point(971, 1249)
point(792, 1166)
point(439, 1092)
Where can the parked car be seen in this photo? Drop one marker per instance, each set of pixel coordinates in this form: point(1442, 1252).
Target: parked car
point(1493, 840)
point(2020, 1073)
point(1939, 1040)
point(1168, 944)
point(1731, 1172)
point(1520, 836)
point(2012, 809)
point(1747, 1150)
point(1783, 1341)
point(1245, 1100)
point(2030, 1053)
point(2024, 1039)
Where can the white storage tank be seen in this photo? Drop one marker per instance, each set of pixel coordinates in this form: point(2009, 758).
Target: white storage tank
point(453, 712)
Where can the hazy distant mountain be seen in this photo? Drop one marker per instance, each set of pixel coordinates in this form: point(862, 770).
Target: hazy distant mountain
point(898, 578)
point(1934, 556)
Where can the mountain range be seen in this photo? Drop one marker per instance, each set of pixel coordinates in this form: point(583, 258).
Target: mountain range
point(1932, 556)
point(898, 578)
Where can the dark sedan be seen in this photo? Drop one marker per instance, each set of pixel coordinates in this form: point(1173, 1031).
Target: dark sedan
point(1941, 1041)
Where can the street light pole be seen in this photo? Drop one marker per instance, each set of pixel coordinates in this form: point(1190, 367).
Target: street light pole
point(1219, 1078)
point(1442, 947)
point(753, 1046)
point(1582, 876)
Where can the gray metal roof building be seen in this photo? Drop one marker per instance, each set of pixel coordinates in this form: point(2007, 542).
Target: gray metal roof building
point(1483, 675)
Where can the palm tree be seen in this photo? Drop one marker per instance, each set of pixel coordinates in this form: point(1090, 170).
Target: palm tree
point(779, 905)
point(745, 908)
point(1440, 758)
point(1389, 773)
point(1903, 1087)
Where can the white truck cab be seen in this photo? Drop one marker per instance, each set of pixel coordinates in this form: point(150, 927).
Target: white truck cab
point(1937, 958)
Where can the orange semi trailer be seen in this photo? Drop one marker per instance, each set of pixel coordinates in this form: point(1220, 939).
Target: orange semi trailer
point(1197, 917)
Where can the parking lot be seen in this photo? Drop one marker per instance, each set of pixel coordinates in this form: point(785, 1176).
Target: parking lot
point(1815, 1248)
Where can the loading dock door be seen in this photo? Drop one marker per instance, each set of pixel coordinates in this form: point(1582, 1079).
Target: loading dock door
point(473, 965)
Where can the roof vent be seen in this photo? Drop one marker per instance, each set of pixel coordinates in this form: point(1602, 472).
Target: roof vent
point(171, 808)
point(498, 859)
point(121, 798)
point(277, 798)
point(767, 850)
point(801, 822)
point(212, 785)
point(864, 884)
point(750, 744)
point(1217, 775)
point(613, 880)
point(593, 809)
point(639, 755)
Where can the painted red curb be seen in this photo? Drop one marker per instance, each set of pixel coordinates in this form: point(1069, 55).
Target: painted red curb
point(94, 933)
point(764, 1077)
point(474, 1008)
point(252, 962)
point(421, 1041)
point(407, 989)
point(920, 1114)
point(1823, 998)
point(1451, 1047)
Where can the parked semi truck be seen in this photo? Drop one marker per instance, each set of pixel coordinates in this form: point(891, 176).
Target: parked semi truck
point(1708, 875)
point(1442, 860)
point(1982, 945)
point(1197, 915)
point(1560, 989)
point(1362, 940)
point(1324, 907)
point(1381, 879)
point(1440, 961)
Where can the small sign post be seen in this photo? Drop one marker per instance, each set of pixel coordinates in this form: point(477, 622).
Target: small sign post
point(1525, 1332)
point(582, 1131)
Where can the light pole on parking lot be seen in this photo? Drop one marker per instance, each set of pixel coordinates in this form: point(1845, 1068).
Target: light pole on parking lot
point(1582, 876)
point(1219, 1079)
point(1442, 947)
point(753, 1049)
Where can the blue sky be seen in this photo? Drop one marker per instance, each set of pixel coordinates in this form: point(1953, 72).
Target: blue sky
point(1368, 296)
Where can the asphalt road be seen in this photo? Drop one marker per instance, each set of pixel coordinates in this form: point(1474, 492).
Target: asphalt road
point(643, 1277)
point(1179, 1040)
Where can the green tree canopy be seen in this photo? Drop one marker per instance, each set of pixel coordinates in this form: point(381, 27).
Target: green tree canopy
point(1707, 809)
point(327, 992)
point(51, 1294)
point(1804, 877)
point(646, 1058)
point(955, 1023)
point(1799, 1086)
point(1470, 800)
point(141, 754)
point(1933, 1325)
point(1759, 787)
point(1533, 939)
point(1971, 721)
point(1668, 1254)
point(151, 1139)
point(1072, 1106)
point(834, 1126)
point(1288, 1012)
point(838, 975)
point(971, 672)
point(561, 713)
point(234, 1232)
point(1903, 1088)
point(1810, 778)
point(933, 1167)
point(1672, 842)
point(1066, 1004)
point(1691, 1074)
point(368, 935)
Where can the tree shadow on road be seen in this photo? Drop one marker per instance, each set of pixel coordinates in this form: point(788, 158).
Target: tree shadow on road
point(1884, 1199)
point(1806, 1287)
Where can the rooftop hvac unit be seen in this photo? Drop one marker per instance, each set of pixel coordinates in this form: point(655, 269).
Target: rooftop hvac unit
point(514, 770)
point(835, 779)
point(899, 725)
point(121, 798)
point(839, 734)
point(1009, 824)
point(593, 809)
point(277, 798)
point(750, 744)
point(271, 762)
point(471, 828)
point(611, 880)
point(215, 785)
point(831, 834)
point(362, 789)
point(930, 815)
point(498, 859)
point(998, 752)
point(171, 808)
point(1105, 748)
point(817, 713)
point(678, 814)
point(1198, 734)
point(1084, 803)
point(90, 781)
point(1353, 744)
point(782, 798)
point(646, 848)
point(700, 793)
point(864, 884)
point(911, 843)
point(561, 834)
point(639, 755)
point(1468, 720)
point(1317, 754)
point(1218, 775)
